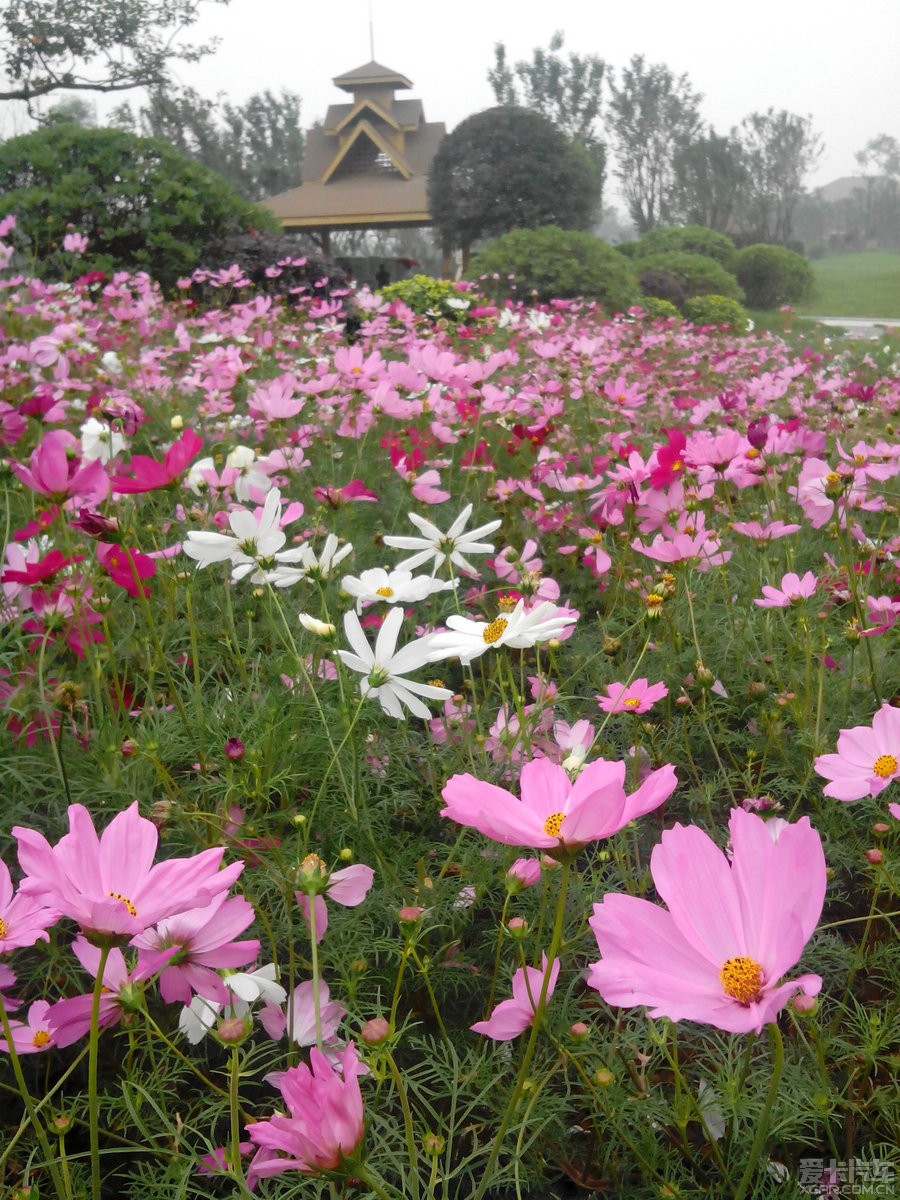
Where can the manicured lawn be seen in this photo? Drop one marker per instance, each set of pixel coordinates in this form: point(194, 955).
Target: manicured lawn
point(856, 285)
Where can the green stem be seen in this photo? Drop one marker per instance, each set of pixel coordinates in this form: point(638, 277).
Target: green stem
point(539, 1008)
point(234, 1111)
point(93, 1098)
point(762, 1126)
point(407, 1124)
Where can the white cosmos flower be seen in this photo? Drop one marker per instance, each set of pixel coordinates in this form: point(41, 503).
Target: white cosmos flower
point(466, 639)
point(250, 476)
point(257, 537)
point(312, 565)
point(392, 587)
point(451, 546)
point(384, 666)
point(99, 441)
point(198, 1017)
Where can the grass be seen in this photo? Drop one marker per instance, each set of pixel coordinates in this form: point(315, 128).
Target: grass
point(856, 285)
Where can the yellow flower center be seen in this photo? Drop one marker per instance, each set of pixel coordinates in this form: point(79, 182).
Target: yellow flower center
point(41, 1038)
point(677, 464)
point(387, 592)
point(124, 900)
point(311, 863)
point(4, 928)
point(508, 602)
point(631, 702)
point(553, 824)
point(884, 767)
point(495, 630)
point(742, 979)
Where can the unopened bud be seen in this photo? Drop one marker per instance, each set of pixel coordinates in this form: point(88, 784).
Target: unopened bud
point(517, 927)
point(874, 857)
point(410, 914)
point(176, 422)
point(579, 1031)
point(375, 1031)
point(433, 1143)
point(804, 1005)
point(603, 1077)
point(232, 1031)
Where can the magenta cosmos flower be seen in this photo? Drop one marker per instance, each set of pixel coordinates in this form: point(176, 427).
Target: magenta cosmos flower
point(23, 919)
point(325, 1121)
point(108, 884)
point(512, 1017)
point(731, 932)
point(554, 812)
point(867, 759)
point(636, 697)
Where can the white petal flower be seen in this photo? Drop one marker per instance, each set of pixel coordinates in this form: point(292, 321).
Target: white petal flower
point(257, 536)
point(99, 441)
point(384, 666)
point(256, 985)
point(466, 639)
point(392, 587)
point(311, 565)
point(451, 546)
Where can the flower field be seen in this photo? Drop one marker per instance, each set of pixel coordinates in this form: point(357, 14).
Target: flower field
point(444, 757)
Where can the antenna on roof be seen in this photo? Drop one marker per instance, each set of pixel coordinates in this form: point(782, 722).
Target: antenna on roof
point(371, 34)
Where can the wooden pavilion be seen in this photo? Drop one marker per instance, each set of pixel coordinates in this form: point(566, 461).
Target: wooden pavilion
point(367, 166)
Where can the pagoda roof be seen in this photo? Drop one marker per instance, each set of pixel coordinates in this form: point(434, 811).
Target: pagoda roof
point(370, 73)
point(357, 201)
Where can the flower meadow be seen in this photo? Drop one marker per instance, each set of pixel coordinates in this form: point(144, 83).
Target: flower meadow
point(443, 759)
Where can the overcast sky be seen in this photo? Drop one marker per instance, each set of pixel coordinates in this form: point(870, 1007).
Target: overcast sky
point(836, 60)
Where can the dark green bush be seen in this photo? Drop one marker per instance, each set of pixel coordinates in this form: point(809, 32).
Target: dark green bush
point(662, 286)
point(772, 275)
point(142, 205)
point(552, 263)
point(717, 310)
point(698, 275)
point(689, 239)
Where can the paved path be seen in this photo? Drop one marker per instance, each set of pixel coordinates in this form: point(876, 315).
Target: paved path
point(861, 327)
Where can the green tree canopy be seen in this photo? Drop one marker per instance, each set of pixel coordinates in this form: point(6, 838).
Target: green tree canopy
point(509, 168)
point(780, 150)
point(257, 146)
point(141, 204)
point(92, 45)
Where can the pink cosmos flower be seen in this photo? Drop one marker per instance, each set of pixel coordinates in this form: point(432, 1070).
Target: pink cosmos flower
point(32, 1035)
point(636, 697)
point(882, 612)
point(325, 1121)
point(108, 884)
point(70, 1019)
point(127, 568)
point(52, 472)
point(204, 939)
point(75, 243)
point(23, 919)
point(148, 474)
point(512, 1017)
point(300, 1019)
point(867, 759)
point(793, 591)
point(731, 931)
point(554, 812)
point(349, 887)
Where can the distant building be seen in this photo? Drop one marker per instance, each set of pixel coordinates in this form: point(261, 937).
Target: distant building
point(367, 166)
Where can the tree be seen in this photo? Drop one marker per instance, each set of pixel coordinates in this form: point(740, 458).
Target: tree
point(780, 149)
point(92, 45)
point(568, 91)
point(509, 168)
point(879, 161)
point(141, 204)
point(654, 114)
point(257, 146)
point(709, 176)
point(74, 108)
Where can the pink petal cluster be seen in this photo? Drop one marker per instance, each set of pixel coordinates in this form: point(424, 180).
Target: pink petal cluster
point(512, 1017)
point(553, 812)
point(108, 884)
point(324, 1124)
point(867, 758)
point(731, 932)
point(792, 591)
point(636, 697)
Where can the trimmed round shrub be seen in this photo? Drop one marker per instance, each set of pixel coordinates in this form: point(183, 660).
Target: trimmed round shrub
point(429, 297)
point(772, 275)
point(551, 263)
point(662, 286)
point(141, 204)
point(659, 309)
point(689, 239)
point(698, 275)
point(717, 310)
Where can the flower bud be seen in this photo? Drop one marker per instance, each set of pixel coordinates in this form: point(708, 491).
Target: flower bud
point(234, 749)
point(176, 422)
point(517, 928)
point(804, 1005)
point(433, 1144)
point(375, 1031)
point(232, 1031)
point(603, 1077)
point(579, 1031)
point(410, 914)
point(875, 857)
point(128, 748)
point(312, 875)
